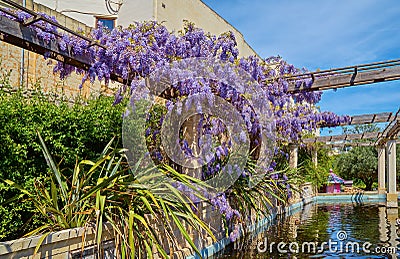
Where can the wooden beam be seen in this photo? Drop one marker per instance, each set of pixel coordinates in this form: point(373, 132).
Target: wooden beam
point(355, 144)
point(21, 36)
point(335, 81)
point(365, 119)
point(391, 131)
point(344, 137)
point(351, 144)
point(24, 37)
point(371, 118)
point(394, 130)
point(32, 20)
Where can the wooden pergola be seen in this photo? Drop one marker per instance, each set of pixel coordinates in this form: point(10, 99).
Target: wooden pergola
point(347, 76)
point(343, 137)
point(390, 132)
point(365, 119)
point(21, 35)
point(375, 138)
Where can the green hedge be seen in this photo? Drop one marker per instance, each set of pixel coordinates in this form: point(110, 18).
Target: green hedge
point(71, 132)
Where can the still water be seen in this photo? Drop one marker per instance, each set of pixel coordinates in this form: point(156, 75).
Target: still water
point(325, 231)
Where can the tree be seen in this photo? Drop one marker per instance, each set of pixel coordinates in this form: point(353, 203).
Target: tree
point(359, 163)
point(317, 175)
point(359, 129)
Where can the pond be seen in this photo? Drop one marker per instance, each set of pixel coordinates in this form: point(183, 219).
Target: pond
point(325, 231)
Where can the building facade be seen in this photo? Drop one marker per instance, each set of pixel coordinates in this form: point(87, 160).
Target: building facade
point(171, 12)
point(30, 70)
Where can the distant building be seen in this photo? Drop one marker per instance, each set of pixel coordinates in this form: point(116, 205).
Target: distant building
point(333, 184)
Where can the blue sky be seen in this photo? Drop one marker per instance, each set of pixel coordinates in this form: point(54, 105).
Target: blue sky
point(325, 34)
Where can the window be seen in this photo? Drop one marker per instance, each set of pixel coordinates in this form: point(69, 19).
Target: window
point(108, 22)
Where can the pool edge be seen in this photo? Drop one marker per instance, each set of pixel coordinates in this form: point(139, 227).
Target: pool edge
point(290, 209)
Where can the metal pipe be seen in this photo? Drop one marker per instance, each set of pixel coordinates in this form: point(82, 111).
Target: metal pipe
point(22, 64)
point(81, 12)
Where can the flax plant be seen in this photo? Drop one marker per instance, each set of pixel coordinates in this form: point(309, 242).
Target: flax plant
point(108, 191)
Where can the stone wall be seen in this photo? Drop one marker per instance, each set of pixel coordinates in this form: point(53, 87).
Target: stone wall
point(63, 244)
point(38, 72)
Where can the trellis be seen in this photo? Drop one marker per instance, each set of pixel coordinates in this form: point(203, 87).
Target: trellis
point(348, 76)
point(344, 137)
point(365, 119)
point(19, 34)
point(390, 132)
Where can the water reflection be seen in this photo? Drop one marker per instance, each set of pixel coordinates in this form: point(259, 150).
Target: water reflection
point(336, 231)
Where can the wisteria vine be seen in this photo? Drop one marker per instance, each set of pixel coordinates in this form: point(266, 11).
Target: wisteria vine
point(133, 53)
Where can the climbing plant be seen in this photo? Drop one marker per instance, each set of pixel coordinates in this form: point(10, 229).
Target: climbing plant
point(135, 52)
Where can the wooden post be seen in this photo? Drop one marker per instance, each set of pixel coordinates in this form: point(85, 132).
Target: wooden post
point(391, 196)
point(381, 170)
point(293, 155)
point(314, 156)
point(190, 133)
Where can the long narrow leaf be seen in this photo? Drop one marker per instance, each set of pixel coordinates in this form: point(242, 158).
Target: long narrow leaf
point(42, 238)
point(17, 186)
point(130, 235)
point(53, 166)
point(184, 232)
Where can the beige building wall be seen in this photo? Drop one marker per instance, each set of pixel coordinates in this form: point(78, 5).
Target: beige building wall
point(83, 11)
point(36, 72)
point(171, 12)
point(136, 10)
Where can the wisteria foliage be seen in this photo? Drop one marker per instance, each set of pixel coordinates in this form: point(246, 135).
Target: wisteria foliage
point(135, 52)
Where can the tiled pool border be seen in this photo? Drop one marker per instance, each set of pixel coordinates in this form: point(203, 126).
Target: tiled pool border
point(293, 208)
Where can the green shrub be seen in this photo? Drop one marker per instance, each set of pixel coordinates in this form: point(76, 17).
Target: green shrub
point(72, 132)
point(318, 176)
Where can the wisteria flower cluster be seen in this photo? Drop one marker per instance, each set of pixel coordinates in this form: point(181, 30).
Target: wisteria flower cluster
point(44, 30)
point(221, 202)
